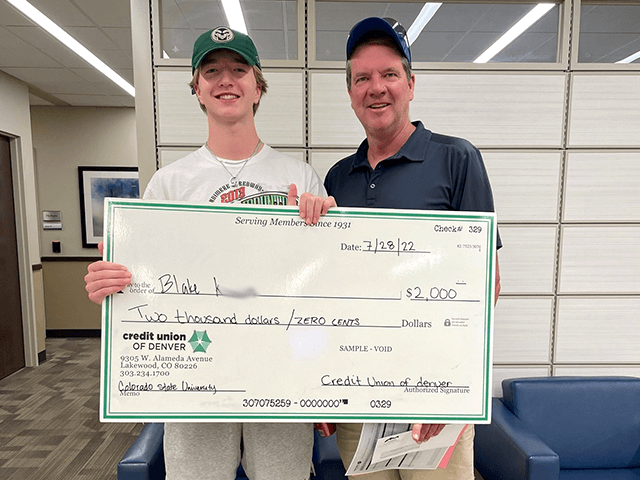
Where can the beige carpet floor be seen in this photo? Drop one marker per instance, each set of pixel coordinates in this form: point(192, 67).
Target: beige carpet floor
point(49, 423)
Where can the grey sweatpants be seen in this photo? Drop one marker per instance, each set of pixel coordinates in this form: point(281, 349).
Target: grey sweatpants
point(211, 451)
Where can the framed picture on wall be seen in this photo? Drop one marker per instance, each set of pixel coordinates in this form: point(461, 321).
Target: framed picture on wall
point(97, 183)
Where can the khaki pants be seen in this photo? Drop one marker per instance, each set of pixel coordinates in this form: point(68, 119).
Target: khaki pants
point(460, 465)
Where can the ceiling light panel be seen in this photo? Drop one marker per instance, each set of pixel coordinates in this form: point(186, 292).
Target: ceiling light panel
point(235, 17)
point(514, 32)
point(631, 58)
point(43, 21)
point(424, 17)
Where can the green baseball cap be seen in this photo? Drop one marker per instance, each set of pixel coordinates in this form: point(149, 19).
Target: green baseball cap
point(224, 37)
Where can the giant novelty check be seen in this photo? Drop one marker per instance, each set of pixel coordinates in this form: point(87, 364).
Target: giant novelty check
point(244, 313)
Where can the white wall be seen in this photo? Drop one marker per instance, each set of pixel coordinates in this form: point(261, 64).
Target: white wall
point(65, 138)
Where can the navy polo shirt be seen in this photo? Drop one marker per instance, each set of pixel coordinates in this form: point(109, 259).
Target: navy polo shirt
point(429, 172)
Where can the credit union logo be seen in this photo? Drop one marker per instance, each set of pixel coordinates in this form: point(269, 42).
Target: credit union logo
point(199, 341)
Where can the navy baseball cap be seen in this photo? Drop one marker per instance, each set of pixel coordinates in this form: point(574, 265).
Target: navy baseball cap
point(387, 26)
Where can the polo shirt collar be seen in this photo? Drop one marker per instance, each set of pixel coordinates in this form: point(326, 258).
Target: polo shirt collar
point(413, 150)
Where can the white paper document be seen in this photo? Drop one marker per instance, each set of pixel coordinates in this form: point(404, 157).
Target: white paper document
point(390, 446)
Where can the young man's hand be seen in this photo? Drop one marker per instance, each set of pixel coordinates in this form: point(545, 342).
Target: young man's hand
point(311, 206)
point(104, 278)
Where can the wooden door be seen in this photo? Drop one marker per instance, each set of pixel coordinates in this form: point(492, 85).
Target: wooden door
point(11, 341)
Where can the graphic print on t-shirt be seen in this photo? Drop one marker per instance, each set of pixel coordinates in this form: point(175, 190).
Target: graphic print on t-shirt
point(251, 193)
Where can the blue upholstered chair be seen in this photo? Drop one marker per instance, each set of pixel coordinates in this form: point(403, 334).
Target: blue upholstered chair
point(145, 458)
point(327, 463)
point(566, 428)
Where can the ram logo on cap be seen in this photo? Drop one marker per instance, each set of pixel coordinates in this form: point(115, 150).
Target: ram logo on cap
point(222, 35)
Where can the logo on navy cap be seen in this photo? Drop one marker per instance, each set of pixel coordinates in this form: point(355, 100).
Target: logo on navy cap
point(222, 35)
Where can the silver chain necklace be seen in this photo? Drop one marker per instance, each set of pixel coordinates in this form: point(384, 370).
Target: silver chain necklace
point(234, 178)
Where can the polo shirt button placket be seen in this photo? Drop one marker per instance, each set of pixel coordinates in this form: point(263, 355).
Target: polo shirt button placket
point(371, 191)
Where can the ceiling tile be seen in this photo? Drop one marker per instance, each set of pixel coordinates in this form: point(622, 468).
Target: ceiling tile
point(101, 82)
point(457, 17)
point(617, 46)
point(530, 47)
point(470, 46)
point(37, 37)
point(15, 52)
point(92, 38)
point(91, 75)
point(11, 16)
point(202, 15)
point(499, 18)
point(172, 16)
point(268, 15)
point(126, 73)
point(53, 80)
point(435, 47)
point(66, 57)
point(63, 12)
point(610, 19)
point(114, 58)
point(342, 17)
point(107, 13)
point(121, 37)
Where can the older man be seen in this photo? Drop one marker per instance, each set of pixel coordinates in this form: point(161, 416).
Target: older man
point(401, 165)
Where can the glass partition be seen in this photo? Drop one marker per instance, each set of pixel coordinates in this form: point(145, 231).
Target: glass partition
point(609, 34)
point(273, 25)
point(450, 32)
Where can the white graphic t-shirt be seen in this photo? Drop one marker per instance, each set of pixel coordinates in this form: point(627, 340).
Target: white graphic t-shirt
point(263, 180)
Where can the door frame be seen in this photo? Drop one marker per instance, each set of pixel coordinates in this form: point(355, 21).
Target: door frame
point(25, 269)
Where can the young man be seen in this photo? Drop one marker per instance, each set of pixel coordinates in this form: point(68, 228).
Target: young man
point(401, 165)
point(234, 165)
